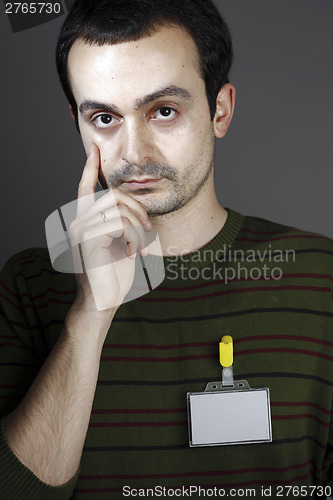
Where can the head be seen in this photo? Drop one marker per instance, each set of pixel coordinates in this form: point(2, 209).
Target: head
point(147, 82)
point(118, 21)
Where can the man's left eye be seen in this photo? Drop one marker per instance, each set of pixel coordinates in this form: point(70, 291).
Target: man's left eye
point(165, 113)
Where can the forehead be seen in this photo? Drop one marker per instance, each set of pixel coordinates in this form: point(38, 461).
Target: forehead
point(132, 69)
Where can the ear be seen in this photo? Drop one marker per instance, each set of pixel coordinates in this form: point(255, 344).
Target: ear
point(72, 113)
point(225, 105)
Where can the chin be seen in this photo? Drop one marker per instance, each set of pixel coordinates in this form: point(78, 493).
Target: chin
point(154, 205)
point(161, 210)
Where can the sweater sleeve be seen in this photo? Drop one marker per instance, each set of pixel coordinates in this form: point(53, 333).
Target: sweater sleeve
point(17, 481)
point(21, 357)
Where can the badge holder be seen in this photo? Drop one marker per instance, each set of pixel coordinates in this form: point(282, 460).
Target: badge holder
point(228, 412)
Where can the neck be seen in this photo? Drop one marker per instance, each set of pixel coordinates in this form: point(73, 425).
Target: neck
point(193, 226)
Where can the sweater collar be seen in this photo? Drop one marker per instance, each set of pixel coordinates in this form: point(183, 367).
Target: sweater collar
point(222, 241)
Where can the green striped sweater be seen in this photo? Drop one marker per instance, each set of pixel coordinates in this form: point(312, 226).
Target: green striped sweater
point(266, 285)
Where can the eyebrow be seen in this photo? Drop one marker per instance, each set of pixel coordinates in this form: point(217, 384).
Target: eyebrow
point(170, 91)
point(89, 105)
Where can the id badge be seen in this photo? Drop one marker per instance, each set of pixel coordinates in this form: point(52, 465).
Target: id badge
point(229, 412)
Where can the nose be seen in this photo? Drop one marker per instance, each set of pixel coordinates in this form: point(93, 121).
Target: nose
point(137, 147)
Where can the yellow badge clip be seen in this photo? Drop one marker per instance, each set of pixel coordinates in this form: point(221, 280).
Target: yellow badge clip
point(226, 351)
point(226, 360)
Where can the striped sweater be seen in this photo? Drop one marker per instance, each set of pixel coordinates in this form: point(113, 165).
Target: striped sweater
point(266, 285)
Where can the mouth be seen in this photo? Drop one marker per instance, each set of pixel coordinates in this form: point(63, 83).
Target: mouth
point(141, 183)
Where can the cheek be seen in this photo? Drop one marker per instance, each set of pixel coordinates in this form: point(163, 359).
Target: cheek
point(109, 156)
point(88, 137)
point(187, 144)
point(176, 136)
point(108, 151)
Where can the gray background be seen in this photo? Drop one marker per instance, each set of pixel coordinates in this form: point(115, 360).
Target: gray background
point(276, 161)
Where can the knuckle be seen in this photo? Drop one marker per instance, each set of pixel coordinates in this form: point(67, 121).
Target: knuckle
point(123, 209)
point(125, 222)
point(128, 232)
point(84, 233)
point(75, 233)
point(73, 227)
point(117, 233)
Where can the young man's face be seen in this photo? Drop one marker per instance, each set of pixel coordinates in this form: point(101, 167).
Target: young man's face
point(144, 105)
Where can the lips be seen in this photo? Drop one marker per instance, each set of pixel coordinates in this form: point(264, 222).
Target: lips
point(141, 183)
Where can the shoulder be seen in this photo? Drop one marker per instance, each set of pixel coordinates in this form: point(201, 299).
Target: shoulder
point(32, 268)
point(303, 251)
point(31, 258)
point(257, 229)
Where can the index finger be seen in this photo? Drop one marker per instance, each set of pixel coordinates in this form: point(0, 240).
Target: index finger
point(87, 187)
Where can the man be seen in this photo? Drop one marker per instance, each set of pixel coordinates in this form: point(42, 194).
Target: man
point(105, 414)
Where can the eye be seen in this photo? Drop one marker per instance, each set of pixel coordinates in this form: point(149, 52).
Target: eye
point(104, 121)
point(165, 113)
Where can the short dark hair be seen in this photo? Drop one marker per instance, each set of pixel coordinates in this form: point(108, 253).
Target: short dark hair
point(101, 22)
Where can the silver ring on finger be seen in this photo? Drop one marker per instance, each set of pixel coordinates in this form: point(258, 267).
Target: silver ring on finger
point(104, 217)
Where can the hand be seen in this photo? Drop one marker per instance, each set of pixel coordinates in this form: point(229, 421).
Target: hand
point(106, 246)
